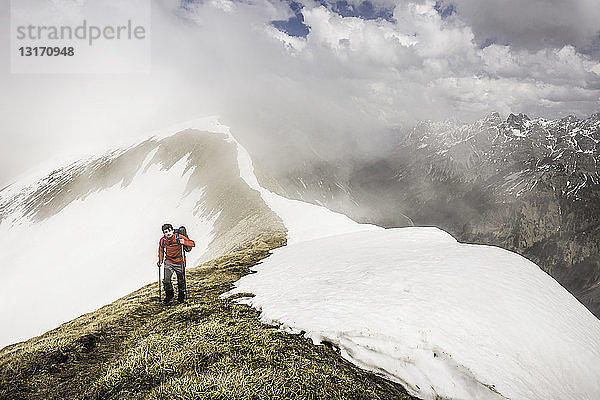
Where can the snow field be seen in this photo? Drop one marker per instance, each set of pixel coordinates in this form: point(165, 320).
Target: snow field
point(446, 319)
point(304, 221)
point(94, 251)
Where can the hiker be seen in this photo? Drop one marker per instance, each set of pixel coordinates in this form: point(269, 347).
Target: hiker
point(170, 250)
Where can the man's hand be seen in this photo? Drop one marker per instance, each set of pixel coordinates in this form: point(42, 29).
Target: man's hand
point(158, 263)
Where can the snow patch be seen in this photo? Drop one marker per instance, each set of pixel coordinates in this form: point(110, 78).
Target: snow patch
point(449, 320)
point(303, 221)
point(93, 251)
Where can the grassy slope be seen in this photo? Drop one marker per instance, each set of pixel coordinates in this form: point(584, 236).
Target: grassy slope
point(207, 348)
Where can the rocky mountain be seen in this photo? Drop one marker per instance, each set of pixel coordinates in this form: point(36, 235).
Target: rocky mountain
point(530, 185)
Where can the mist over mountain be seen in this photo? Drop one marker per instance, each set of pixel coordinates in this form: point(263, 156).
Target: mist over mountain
point(86, 233)
point(92, 226)
point(365, 225)
point(530, 185)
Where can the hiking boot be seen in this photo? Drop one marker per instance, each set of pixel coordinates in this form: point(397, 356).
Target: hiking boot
point(168, 297)
point(181, 297)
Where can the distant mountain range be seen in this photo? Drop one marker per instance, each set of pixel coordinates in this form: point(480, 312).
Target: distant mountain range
point(530, 185)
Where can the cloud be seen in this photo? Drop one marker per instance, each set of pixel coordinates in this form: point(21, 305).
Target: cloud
point(347, 81)
point(427, 67)
point(534, 25)
point(531, 25)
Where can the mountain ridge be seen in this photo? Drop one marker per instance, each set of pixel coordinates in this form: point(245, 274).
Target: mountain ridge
point(122, 196)
point(208, 180)
point(207, 348)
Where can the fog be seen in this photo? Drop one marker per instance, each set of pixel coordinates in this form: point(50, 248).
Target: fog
point(350, 80)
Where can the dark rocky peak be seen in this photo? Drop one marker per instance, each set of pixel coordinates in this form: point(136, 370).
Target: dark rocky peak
point(517, 117)
point(517, 121)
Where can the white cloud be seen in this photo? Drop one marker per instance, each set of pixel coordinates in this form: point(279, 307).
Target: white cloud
point(225, 5)
point(533, 24)
point(349, 78)
point(437, 70)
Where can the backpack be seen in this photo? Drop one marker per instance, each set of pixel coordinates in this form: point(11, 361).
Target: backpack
point(182, 231)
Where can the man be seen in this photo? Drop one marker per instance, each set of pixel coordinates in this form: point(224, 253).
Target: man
point(170, 250)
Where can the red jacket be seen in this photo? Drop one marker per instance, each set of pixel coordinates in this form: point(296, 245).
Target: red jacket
point(171, 250)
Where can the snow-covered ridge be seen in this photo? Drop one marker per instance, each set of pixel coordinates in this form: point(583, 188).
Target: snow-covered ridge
point(92, 250)
point(86, 233)
point(109, 209)
point(447, 320)
point(302, 220)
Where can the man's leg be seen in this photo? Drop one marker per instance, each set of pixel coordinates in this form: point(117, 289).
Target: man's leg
point(180, 270)
point(167, 282)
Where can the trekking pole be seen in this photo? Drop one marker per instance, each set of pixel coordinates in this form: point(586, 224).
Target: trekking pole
point(159, 284)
